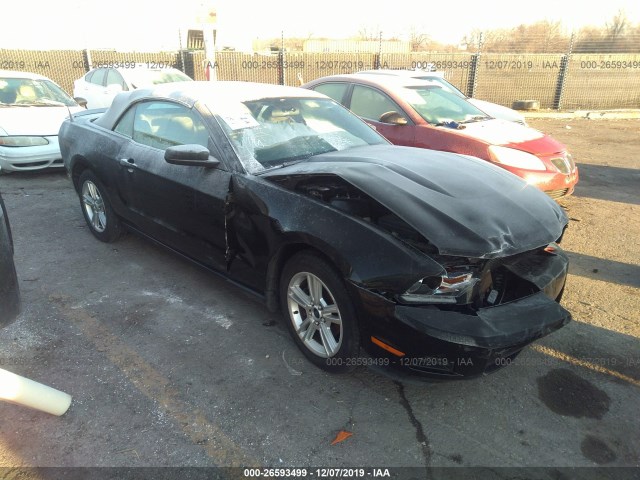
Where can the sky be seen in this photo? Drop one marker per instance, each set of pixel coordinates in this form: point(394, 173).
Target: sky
point(144, 25)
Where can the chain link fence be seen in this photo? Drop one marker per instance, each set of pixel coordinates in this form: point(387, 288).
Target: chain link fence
point(577, 72)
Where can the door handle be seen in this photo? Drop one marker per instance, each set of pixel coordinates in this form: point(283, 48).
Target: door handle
point(129, 163)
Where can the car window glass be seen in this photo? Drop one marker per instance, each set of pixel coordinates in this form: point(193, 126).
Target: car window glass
point(125, 124)
point(333, 90)
point(98, 76)
point(449, 87)
point(114, 78)
point(87, 77)
point(26, 91)
point(163, 124)
point(369, 103)
point(142, 77)
point(438, 106)
point(271, 132)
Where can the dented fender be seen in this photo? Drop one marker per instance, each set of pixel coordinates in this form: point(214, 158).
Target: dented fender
point(280, 218)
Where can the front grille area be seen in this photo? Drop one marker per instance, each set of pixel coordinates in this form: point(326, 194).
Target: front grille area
point(557, 193)
point(30, 165)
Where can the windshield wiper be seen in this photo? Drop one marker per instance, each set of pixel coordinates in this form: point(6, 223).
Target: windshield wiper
point(42, 102)
point(49, 103)
point(450, 124)
point(14, 105)
point(293, 162)
point(477, 118)
point(288, 163)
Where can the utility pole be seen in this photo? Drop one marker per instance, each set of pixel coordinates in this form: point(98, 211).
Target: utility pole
point(208, 18)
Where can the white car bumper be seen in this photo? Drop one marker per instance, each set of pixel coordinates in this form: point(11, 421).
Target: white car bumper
point(16, 159)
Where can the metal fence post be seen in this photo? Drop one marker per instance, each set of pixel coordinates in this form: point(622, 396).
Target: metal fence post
point(188, 63)
point(281, 61)
point(181, 52)
point(562, 75)
point(379, 56)
point(473, 69)
point(86, 56)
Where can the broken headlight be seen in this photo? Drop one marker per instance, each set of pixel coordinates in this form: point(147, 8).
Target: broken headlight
point(453, 287)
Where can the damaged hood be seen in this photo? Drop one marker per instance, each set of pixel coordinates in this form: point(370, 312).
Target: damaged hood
point(462, 205)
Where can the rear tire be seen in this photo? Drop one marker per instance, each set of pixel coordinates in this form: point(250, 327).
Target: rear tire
point(319, 313)
point(96, 208)
point(526, 105)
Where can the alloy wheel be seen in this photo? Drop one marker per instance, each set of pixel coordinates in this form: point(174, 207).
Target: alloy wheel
point(94, 206)
point(315, 314)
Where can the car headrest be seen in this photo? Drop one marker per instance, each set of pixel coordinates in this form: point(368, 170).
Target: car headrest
point(27, 92)
point(280, 113)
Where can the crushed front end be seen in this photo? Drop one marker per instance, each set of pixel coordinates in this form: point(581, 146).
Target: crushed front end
point(473, 319)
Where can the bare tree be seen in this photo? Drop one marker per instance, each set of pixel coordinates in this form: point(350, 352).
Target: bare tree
point(417, 39)
point(472, 40)
point(618, 24)
point(539, 37)
point(369, 32)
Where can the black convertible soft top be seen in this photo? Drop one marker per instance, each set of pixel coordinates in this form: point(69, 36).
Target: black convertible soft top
point(209, 93)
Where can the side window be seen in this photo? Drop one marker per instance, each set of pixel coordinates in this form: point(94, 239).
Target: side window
point(125, 124)
point(333, 90)
point(87, 77)
point(371, 104)
point(98, 76)
point(114, 77)
point(164, 124)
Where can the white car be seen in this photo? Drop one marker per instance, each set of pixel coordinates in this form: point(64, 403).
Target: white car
point(100, 85)
point(492, 109)
point(32, 108)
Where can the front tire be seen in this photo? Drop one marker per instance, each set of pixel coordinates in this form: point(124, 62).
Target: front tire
point(96, 209)
point(319, 313)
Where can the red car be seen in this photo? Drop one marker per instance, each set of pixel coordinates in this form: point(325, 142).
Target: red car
point(419, 113)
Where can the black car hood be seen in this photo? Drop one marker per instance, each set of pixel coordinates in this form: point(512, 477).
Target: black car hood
point(463, 205)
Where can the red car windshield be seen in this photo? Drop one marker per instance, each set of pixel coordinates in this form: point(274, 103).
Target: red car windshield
point(438, 107)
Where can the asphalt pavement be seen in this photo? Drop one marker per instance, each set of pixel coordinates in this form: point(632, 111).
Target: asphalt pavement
point(169, 365)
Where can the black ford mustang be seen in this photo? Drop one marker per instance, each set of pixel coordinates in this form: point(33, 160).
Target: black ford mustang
point(430, 261)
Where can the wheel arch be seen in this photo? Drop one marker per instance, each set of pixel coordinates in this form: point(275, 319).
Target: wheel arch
point(79, 165)
point(283, 255)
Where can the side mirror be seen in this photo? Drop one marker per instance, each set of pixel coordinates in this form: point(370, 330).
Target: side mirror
point(190, 155)
point(81, 101)
point(393, 118)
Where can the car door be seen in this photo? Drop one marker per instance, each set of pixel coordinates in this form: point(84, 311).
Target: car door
point(81, 86)
point(94, 88)
point(114, 84)
point(162, 198)
point(370, 104)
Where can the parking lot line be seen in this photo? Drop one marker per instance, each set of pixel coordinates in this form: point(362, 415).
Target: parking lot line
point(585, 364)
point(151, 383)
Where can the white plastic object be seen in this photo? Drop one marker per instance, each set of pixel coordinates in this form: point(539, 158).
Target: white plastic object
point(22, 391)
